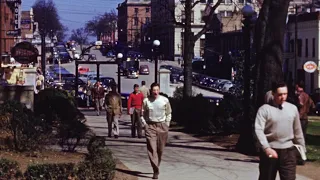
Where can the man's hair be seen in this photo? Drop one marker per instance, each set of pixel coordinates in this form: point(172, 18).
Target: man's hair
point(300, 84)
point(154, 85)
point(143, 83)
point(277, 85)
point(135, 85)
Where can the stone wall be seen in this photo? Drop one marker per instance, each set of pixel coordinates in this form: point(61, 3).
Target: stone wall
point(23, 94)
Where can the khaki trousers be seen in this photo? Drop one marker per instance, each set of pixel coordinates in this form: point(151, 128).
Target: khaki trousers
point(156, 135)
point(113, 124)
point(285, 164)
point(136, 124)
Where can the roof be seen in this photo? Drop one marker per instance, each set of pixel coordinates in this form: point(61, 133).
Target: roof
point(313, 16)
point(134, 2)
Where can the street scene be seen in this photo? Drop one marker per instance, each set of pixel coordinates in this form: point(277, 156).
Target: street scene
point(159, 89)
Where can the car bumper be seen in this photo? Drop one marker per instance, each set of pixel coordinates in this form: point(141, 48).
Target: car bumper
point(133, 76)
point(144, 72)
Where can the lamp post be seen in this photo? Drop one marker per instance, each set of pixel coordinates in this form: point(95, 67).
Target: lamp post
point(248, 13)
point(156, 44)
point(119, 58)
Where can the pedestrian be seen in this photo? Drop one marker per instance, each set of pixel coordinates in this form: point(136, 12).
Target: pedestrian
point(98, 95)
point(156, 119)
point(305, 104)
point(179, 61)
point(278, 128)
point(113, 106)
point(88, 90)
point(134, 110)
point(144, 89)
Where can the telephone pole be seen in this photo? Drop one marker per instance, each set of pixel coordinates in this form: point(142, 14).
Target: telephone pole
point(296, 44)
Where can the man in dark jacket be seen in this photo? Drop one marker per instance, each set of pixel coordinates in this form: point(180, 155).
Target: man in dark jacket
point(113, 105)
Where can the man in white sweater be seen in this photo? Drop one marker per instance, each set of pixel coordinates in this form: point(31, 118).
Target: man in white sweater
point(278, 128)
point(156, 117)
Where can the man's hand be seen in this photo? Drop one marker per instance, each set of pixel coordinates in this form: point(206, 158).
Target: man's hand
point(271, 153)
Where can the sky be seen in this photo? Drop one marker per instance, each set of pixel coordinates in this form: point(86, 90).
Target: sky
point(75, 13)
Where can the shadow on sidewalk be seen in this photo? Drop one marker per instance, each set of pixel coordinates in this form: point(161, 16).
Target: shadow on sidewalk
point(243, 160)
point(134, 173)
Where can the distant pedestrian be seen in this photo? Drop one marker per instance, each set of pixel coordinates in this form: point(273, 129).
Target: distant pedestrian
point(134, 110)
point(98, 95)
point(305, 104)
point(144, 89)
point(156, 120)
point(278, 128)
point(113, 106)
point(88, 92)
point(179, 61)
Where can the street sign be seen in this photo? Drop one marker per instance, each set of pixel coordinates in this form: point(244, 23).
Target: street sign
point(25, 53)
point(13, 32)
point(310, 66)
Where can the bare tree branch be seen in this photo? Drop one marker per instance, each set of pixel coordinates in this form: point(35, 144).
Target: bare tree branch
point(195, 3)
point(172, 13)
point(208, 22)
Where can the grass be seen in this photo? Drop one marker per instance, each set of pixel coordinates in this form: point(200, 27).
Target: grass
point(313, 141)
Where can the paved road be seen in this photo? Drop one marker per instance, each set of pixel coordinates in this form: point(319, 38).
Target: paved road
point(185, 157)
point(127, 84)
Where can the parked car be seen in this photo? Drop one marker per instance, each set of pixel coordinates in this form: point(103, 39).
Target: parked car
point(92, 57)
point(144, 69)
point(82, 70)
point(132, 73)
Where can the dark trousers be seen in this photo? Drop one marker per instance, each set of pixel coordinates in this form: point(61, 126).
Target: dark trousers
point(136, 124)
point(304, 125)
point(285, 164)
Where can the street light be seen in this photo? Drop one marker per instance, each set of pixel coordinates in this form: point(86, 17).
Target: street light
point(119, 58)
point(156, 44)
point(248, 13)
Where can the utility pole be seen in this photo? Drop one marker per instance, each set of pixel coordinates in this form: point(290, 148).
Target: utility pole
point(296, 44)
point(1, 30)
point(43, 43)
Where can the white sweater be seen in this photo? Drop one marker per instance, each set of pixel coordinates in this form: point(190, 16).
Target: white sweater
point(156, 110)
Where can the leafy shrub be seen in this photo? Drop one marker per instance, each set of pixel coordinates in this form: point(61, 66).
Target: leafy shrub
point(9, 169)
point(50, 171)
point(99, 163)
point(178, 93)
point(24, 130)
point(198, 115)
point(60, 112)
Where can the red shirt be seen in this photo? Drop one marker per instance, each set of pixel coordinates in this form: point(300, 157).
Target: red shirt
point(135, 100)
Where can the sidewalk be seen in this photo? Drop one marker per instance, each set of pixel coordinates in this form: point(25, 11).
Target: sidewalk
point(185, 157)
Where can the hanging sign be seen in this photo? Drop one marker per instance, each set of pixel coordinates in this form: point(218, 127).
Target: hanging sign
point(310, 66)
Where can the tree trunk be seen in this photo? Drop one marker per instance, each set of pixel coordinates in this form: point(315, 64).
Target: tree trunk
point(188, 51)
point(269, 37)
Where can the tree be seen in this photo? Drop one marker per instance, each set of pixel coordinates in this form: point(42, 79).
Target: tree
point(190, 38)
point(268, 41)
point(45, 13)
point(80, 35)
point(103, 24)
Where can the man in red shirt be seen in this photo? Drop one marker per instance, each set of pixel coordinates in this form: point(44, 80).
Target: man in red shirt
point(134, 110)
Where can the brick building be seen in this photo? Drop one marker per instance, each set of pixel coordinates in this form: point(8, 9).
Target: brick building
point(6, 24)
point(132, 15)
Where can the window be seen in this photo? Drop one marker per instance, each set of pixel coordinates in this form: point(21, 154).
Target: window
point(202, 16)
point(147, 19)
point(229, 13)
point(135, 22)
point(313, 47)
point(202, 45)
point(136, 10)
point(147, 10)
point(306, 48)
point(222, 13)
point(183, 16)
point(299, 47)
point(291, 45)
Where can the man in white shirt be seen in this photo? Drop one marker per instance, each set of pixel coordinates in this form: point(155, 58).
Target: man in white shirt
point(156, 117)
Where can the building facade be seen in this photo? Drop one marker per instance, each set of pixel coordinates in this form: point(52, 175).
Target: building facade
point(132, 15)
point(9, 25)
point(27, 25)
point(308, 26)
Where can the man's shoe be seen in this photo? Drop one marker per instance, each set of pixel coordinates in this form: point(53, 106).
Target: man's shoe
point(116, 136)
point(109, 136)
point(155, 175)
